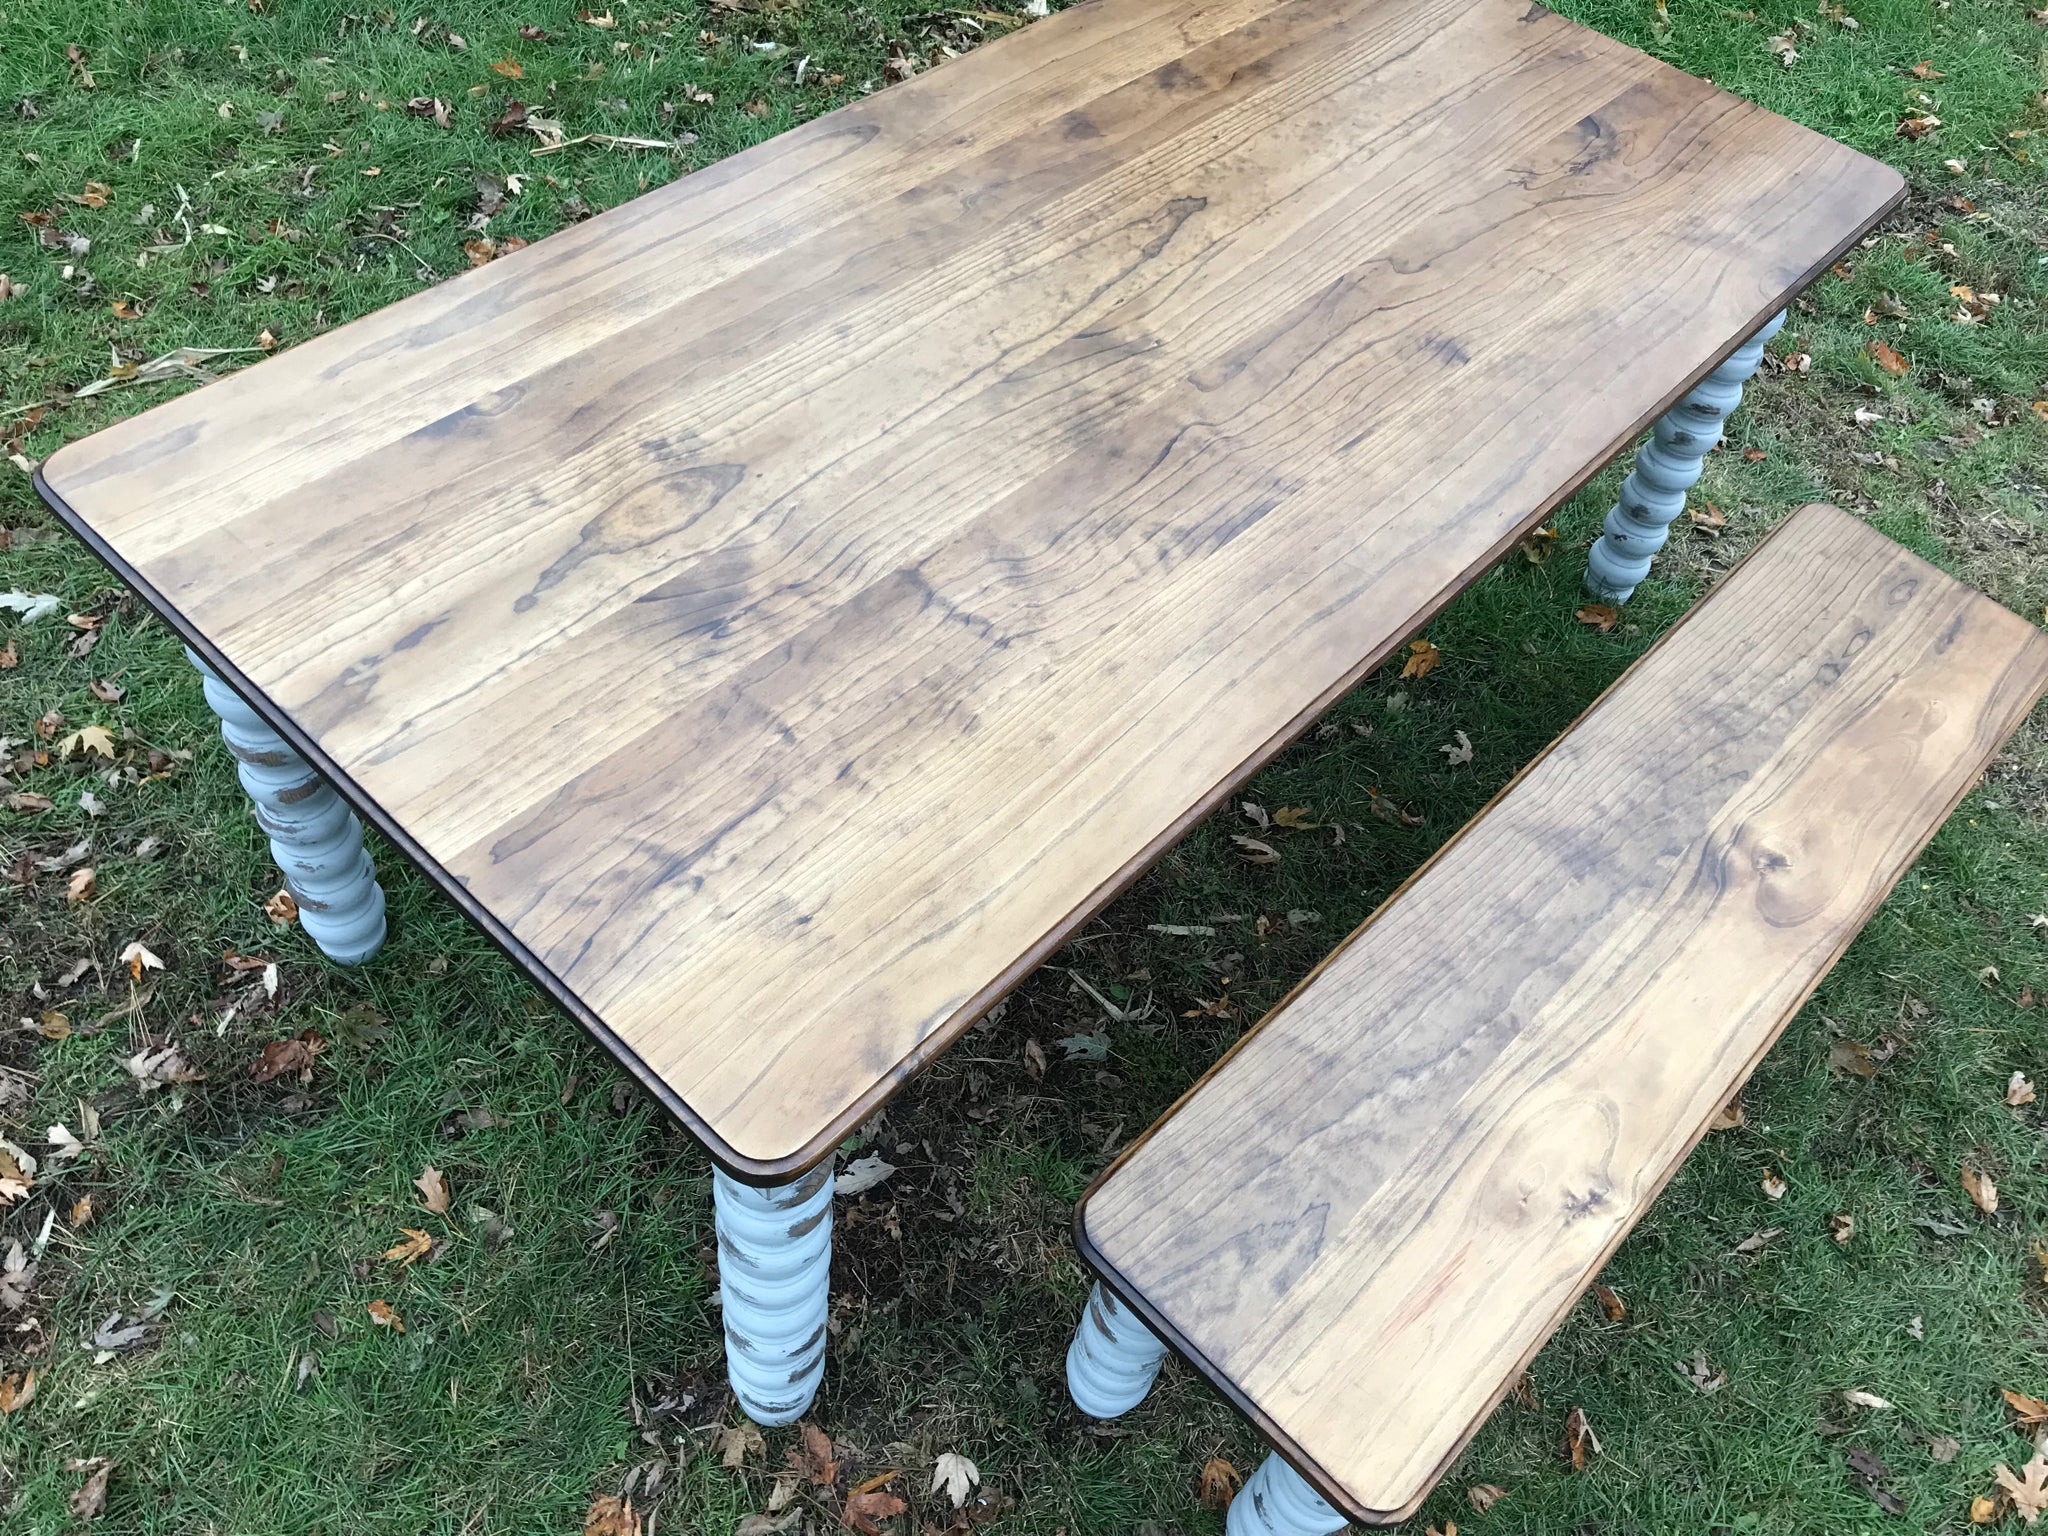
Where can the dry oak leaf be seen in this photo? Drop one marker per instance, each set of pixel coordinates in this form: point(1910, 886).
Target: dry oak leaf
point(95, 195)
point(610, 1515)
point(1580, 1442)
point(1887, 359)
point(81, 886)
point(1484, 1496)
point(866, 1508)
point(1728, 1118)
point(1256, 852)
point(509, 68)
point(1611, 1304)
point(2029, 1490)
point(1219, 1484)
point(1980, 1189)
point(1601, 616)
point(282, 909)
point(1423, 659)
point(2018, 1090)
point(1841, 1227)
point(416, 1243)
point(384, 1315)
point(138, 959)
point(1295, 818)
point(433, 1187)
point(1774, 1187)
point(814, 1458)
point(1983, 1510)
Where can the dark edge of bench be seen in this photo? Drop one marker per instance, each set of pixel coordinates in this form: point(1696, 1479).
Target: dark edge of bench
point(778, 1170)
point(1281, 1443)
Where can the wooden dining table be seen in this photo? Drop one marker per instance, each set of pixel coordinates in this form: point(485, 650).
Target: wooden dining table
point(782, 609)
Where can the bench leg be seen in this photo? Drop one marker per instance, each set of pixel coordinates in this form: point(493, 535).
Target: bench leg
point(774, 1275)
point(1667, 467)
point(1113, 1360)
point(315, 839)
point(1277, 1501)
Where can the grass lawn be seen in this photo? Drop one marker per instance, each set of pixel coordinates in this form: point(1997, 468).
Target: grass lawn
point(243, 175)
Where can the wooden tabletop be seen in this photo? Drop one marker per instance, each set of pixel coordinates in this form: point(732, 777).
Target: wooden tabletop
point(1366, 1220)
point(782, 609)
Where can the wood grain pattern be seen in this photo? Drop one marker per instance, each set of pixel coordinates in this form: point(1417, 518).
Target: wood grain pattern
point(784, 607)
point(1369, 1216)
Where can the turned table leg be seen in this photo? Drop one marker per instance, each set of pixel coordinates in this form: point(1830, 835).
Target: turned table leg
point(774, 1275)
point(1113, 1360)
point(315, 839)
point(1277, 1501)
point(1667, 467)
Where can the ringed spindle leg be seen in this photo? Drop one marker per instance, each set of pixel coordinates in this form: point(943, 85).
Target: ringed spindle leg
point(1113, 1360)
point(1666, 467)
point(1277, 1501)
point(315, 839)
point(774, 1275)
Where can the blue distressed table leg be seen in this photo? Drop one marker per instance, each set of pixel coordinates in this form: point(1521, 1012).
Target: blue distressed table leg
point(1113, 1360)
point(315, 839)
point(1666, 467)
point(774, 1278)
point(1277, 1501)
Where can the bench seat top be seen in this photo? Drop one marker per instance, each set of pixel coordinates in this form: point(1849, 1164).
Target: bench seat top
point(783, 608)
point(1366, 1219)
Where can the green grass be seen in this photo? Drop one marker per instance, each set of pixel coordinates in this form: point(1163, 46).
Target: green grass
point(539, 1366)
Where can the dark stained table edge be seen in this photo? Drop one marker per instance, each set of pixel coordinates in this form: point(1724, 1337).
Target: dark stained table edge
point(1283, 1443)
point(778, 1170)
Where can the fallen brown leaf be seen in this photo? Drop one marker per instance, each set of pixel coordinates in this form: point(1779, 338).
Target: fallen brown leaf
point(867, 1508)
point(1980, 1189)
point(736, 1442)
point(1580, 1443)
point(1423, 659)
point(1611, 1304)
point(415, 1244)
point(610, 1515)
point(1600, 616)
point(2018, 1090)
point(2028, 1412)
point(281, 909)
point(2028, 1490)
point(814, 1458)
point(1483, 1496)
point(17, 1392)
point(509, 68)
point(1218, 1484)
point(384, 1315)
point(91, 1499)
point(293, 1055)
point(1886, 358)
point(1841, 1227)
point(433, 1187)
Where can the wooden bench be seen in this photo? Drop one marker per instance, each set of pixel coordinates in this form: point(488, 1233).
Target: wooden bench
point(1365, 1220)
